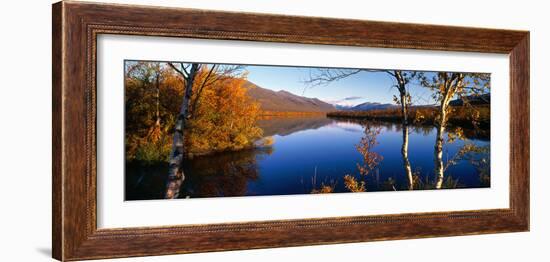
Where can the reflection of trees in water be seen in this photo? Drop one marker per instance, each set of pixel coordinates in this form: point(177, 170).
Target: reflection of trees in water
point(370, 158)
point(477, 156)
point(225, 174)
point(229, 174)
point(469, 133)
point(422, 129)
point(145, 180)
point(414, 180)
point(368, 165)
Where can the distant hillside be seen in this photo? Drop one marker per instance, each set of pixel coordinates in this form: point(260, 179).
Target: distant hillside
point(367, 106)
point(484, 99)
point(371, 106)
point(343, 107)
point(283, 101)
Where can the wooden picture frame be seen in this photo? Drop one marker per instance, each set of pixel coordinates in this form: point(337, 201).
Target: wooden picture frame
point(76, 26)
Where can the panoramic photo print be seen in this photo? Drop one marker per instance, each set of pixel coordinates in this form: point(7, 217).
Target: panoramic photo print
point(196, 130)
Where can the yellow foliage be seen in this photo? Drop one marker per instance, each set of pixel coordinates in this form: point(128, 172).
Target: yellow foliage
point(149, 108)
point(353, 185)
point(224, 120)
point(268, 141)
point(325, 189)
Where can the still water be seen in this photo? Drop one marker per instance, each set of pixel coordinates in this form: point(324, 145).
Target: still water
point(308, 152)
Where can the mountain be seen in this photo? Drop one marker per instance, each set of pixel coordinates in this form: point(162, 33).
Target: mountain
point(371, 106)
point(484, 99)
point(283, 101)
point(343, 107)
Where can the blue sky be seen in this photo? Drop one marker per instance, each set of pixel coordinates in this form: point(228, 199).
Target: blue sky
point(353, 90)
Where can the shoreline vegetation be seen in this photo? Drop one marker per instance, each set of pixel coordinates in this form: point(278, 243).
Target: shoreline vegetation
point(478, 116)
point(259, 144)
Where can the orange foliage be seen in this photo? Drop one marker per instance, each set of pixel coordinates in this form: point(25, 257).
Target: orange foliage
point(353, 185)
point(149, 109)
point(365, 147)
point(224, 120)
point(325, 189)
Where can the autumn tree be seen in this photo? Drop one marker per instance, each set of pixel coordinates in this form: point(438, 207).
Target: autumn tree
point(401, 81)
point(212, 80)
point(148, 113)
point(447, 86)
point(225, 121)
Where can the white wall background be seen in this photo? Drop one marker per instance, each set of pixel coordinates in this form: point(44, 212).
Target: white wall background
point(25, 129)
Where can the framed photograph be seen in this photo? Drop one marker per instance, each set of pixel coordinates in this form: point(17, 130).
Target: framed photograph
point(181, 130)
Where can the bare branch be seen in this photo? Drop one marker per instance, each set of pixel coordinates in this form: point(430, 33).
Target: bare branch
point(328, 75)
point(193, 108)
point(183, 71)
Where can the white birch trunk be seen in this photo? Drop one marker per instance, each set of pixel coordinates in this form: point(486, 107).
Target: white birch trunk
point(175, 171)
point(405, 123)
point(405, 146)
point(438, 148)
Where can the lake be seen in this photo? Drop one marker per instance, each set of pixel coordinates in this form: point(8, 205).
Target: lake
point(312, 151)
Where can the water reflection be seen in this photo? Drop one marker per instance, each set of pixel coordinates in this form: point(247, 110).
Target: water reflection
point(225, 174)
point(284, 126)
point(311, 151)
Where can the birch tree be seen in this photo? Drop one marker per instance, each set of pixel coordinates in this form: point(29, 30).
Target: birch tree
point(189, 73)
point(401, 79)
point(446, 86)
point(175, 171)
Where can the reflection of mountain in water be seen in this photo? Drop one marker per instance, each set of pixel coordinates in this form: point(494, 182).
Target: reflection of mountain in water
point(284, 126)
point(348, 126)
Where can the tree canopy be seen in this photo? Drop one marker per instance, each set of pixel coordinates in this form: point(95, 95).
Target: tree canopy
point(222, 115)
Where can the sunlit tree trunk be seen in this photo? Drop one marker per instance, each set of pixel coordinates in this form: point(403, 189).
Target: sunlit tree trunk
point(175, 173)
point(449, 87)
point(401, 85)
point(438, 148)
point(405, 148)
